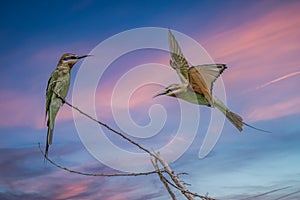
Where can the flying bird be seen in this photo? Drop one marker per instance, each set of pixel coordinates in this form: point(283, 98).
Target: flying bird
point(57, 90)
point(197, 84)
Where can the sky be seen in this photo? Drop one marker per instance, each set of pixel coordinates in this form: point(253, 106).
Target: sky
point(258, 40)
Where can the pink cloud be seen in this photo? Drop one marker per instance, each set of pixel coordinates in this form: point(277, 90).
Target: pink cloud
point(275, 110)
point(19, 109)
point(279, 79)
point(108, 95)
point(73, 189)
point(260, 50)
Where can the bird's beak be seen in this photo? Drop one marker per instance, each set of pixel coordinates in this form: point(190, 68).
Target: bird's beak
point(84, 56)
point(159, 94)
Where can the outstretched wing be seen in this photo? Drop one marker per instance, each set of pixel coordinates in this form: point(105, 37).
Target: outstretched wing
point(178, 61)
point(202, 78)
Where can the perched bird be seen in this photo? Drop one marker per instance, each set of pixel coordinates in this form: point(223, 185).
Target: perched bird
point(197, 84)
point(57, 89)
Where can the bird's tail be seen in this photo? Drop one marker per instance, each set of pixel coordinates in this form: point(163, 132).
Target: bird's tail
point(50, 124)
point(235, 119)
point(49, 139)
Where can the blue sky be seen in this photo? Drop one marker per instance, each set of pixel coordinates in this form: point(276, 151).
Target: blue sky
point(259, 42)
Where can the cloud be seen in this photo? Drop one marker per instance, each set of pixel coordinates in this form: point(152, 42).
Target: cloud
point(274, 110)
point(279, 79)
point(20, 110)
point(259, 49)
point(24, 174)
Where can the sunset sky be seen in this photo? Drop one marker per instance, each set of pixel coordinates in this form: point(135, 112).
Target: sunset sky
point(258, 40)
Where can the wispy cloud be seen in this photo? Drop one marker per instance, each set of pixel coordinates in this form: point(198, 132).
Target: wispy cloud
point(17, 110)
point(26, 176)
point(279, 79)
point(274, 110)
point(260, 50)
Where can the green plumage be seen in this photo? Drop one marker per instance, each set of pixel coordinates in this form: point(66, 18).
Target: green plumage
point(59, 83)
point(199, 99)
point(57, 89)
point(197, 84)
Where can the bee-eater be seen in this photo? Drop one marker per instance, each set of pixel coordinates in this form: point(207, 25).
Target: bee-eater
point(57, 90)
point(197, 84)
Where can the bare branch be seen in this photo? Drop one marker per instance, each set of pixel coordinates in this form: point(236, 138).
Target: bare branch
point(93, 174)
point(192, 193)
point(162, 178)
point(106, 126)
point(174, 177)
point(178, 184)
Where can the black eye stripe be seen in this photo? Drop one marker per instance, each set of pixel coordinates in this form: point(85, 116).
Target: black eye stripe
point(70, 58)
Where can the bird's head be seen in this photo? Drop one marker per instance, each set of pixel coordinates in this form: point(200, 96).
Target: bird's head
point(172, 90)
point(70, 59)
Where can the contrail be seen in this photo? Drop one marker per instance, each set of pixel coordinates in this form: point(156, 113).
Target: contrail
point(278, 79)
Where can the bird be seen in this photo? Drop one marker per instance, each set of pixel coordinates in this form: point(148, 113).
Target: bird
point(197, 84)
point(57, 90)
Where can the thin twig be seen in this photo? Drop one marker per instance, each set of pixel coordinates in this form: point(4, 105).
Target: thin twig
point(174, 177)
point(162, 178)
point(177, 182)
point(106, 126)
point(93, 174)
point(192, 193)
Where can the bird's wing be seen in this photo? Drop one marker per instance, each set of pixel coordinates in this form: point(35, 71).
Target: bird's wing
point(202, 78)
point(178, 61)
point(49, 91)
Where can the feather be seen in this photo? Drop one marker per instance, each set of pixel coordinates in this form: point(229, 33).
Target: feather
point(202, 78)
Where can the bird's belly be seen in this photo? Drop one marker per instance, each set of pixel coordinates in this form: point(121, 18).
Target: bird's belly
point(65, 88)
point(62, 87)
point(193, 98)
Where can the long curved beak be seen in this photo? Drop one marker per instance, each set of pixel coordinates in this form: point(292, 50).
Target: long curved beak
point(84, 56)
point(159, 94)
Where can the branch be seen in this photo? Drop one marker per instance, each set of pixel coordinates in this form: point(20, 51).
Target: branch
point(177, 183)
point(93, 174)
point(174, 177)
point(163, 179)
point(106, 126)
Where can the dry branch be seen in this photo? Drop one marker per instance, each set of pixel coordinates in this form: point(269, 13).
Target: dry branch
point(176, 182)
point(162, 178)
point(94, 174)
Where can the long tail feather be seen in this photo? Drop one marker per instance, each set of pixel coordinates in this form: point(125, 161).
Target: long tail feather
point(236, 120)
point(258, 129)
point(49, 140)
